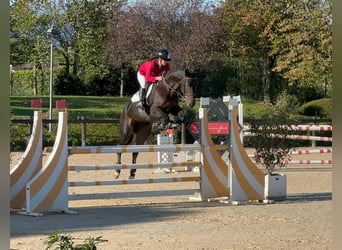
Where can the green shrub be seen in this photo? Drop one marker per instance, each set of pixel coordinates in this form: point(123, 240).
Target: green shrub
point(270, 140)
point(19, 136)
point(319, 108)
point(66, 242)
point(102, 134)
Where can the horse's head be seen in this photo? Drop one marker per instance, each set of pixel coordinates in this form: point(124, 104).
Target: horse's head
point(183, 82)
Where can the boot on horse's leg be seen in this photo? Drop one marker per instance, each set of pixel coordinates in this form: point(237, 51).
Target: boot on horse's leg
point(162, 124)
point(142, 95)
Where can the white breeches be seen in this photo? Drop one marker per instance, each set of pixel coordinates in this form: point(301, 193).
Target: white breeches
point(141, 80)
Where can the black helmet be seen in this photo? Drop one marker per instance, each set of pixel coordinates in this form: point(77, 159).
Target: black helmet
point(163, 54)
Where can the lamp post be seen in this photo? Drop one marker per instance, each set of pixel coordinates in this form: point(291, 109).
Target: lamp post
point(51, 31)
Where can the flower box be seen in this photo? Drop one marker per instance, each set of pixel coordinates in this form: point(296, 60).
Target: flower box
point(275, 187)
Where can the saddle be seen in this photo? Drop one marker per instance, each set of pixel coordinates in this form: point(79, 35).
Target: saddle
point(135, 97)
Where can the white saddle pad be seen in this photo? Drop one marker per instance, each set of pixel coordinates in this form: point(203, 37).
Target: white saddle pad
point(135, 97)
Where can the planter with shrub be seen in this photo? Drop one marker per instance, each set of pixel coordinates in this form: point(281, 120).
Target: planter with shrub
point(272, 146)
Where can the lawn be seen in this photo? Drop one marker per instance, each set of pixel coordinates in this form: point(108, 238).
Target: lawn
point(104, 107)
point(91, 107)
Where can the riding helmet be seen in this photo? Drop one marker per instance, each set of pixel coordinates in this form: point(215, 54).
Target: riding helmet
point(163, 54)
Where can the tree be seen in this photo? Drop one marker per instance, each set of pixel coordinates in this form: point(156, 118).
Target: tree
point(291, 39)
point(83, 27)
point(303, 44)
point(189, 29)
point(249, 25)
point(29, 40)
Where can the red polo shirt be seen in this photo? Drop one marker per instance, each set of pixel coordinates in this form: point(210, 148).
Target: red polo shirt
point(151, 69)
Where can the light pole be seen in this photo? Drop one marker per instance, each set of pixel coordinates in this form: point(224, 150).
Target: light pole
point(11, 71)
point(51, 31)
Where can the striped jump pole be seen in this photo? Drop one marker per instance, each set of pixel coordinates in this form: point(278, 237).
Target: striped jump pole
point(312, 127)
point(29, 164)
point(246, 180)
point(306, 152)
point(303, 127)
point(133, 148)
point(300, 137)
point(135, 166)
point(134, 181)
point(48, 190)
point(308, 162)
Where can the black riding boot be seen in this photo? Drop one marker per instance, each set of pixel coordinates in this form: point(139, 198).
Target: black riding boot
point(142, 95)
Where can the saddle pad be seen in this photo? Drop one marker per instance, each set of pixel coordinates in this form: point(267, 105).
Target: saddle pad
point(135, 97)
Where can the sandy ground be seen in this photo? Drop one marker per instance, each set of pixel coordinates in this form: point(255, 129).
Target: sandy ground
point(175, 221)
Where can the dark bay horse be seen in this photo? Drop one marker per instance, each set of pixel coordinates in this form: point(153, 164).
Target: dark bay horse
point(136, 123)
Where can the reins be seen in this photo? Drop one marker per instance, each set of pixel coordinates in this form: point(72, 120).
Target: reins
point(178, 93)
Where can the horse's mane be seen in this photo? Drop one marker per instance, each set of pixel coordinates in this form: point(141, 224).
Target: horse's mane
point(175, 75)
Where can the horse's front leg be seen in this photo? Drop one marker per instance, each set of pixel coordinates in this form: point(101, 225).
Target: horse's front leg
point(134, 161)
point(160, 116)
point(179, 114)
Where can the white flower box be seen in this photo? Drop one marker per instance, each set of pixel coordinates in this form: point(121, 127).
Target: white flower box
point(275, 187)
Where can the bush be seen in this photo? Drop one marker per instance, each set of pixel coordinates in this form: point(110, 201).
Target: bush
point(20, 134)
point(68, 84)
point(321, 108)
point(102, 134)
point(66, 242)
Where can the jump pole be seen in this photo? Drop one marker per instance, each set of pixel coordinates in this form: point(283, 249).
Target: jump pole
point(29, 164)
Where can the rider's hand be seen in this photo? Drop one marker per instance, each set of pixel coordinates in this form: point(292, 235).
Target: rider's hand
point(159, 78)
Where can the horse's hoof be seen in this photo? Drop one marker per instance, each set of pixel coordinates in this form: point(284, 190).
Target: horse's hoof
point(131, 177)
point(116, 175)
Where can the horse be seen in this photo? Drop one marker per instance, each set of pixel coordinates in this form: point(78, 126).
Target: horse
point(162, 100)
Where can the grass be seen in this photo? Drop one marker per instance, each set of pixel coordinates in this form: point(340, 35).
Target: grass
point(91, 107)
point(108, 107)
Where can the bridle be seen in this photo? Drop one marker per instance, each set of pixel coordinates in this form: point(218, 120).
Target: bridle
point(179, 93)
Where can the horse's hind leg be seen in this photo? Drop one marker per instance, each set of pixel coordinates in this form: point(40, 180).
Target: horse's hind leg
point(126, 137)
point(140, 136)
point(117, 171)
point(133, 170)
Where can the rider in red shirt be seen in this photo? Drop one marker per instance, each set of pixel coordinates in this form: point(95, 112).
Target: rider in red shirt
point(150, 72)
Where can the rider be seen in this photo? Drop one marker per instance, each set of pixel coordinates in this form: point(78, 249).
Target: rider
point(150, 72)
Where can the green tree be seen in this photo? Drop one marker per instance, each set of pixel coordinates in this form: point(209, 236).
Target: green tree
point(287, 38)
point(29, 40)
point(83, 26)
point(249, 25)
point(189, 29)
point(303, 44)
